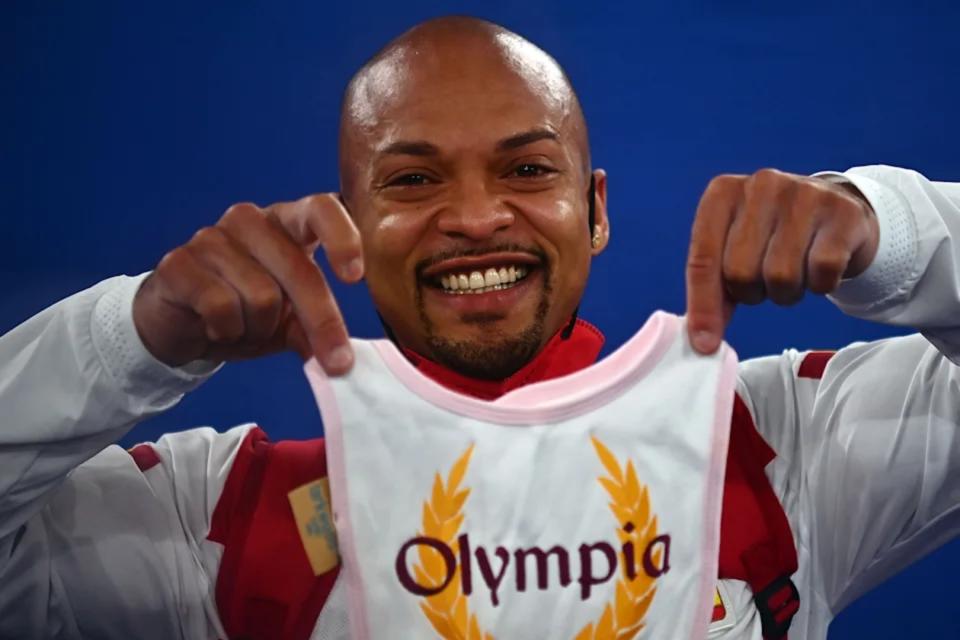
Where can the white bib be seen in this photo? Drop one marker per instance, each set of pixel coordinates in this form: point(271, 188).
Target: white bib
point(584, 507)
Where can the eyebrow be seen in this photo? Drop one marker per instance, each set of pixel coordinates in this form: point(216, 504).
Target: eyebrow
point(424, 148)
point(412, 148)
point(525, 138)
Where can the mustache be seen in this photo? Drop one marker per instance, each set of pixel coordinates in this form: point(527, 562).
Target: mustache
point(475, 252)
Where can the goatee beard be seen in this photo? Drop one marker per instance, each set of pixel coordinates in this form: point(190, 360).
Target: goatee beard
point(496, 358)
point(498, 355)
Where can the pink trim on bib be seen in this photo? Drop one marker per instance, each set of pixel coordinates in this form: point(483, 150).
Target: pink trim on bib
point(551, 400)
point(336, 468)
point(723, 411)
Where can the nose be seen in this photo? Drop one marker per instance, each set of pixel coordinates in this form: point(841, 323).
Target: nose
point(475, 214)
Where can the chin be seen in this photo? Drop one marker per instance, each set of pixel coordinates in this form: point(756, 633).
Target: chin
point(487, 350)
point(485, 328)
point(489, 336)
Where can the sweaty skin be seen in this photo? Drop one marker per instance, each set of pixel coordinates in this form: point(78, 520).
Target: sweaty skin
point(435, 167)
point(463, 151)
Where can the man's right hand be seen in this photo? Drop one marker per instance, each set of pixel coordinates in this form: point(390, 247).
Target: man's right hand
point(249, 286)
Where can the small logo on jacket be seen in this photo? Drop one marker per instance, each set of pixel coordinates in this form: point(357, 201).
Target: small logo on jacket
point(311, 510)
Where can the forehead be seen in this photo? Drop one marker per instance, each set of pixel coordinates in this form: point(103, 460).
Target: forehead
point(459, 92)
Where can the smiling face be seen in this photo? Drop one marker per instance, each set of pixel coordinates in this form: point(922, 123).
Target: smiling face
point(464, 164)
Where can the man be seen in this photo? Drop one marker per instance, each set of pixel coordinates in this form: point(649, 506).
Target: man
point(464, 152)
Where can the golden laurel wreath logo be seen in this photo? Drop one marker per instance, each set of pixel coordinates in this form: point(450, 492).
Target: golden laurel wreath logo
point(622, 619)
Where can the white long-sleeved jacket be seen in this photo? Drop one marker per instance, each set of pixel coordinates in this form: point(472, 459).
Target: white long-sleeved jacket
point(867, 466)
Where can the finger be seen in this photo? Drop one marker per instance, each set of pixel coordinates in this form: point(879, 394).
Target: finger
point(322, 220)
point(300, 278)
point(828, 259)
point(205, 293)
point(295, 338)
point(749, 236)
point(280, 340)
point(704, 273)
point(784, 266)
point(260, 295)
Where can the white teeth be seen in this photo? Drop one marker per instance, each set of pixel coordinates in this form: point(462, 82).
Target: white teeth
point(493, 279)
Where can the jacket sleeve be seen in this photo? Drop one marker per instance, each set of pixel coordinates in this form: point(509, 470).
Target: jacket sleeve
point(915, 279)
point(73, 380)
point(867, 439)
point(868, 459)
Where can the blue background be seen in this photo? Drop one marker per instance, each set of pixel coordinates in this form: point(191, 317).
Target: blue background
point(126, 128)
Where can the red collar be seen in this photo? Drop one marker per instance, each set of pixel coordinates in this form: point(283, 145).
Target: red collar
point(558, 358)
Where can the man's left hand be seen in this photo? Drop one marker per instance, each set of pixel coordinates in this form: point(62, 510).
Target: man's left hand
point(771, 235)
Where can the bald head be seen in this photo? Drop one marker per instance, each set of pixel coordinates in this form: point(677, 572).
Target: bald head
point(463, 155)
point(452, 60)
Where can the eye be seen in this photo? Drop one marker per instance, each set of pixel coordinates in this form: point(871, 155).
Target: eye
point(531, 170)
point(409, 180)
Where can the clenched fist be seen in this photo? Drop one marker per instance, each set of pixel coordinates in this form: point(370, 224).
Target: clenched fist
point(771, 236)
point(249, 286)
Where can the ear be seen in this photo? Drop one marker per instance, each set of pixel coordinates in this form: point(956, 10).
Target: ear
point(601, 223)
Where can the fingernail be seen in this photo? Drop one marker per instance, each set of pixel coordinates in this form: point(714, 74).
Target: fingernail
point(704, 342)
point(339, 359)
point(354, 269)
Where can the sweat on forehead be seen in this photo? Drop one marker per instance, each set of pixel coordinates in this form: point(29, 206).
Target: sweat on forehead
point(448, 54)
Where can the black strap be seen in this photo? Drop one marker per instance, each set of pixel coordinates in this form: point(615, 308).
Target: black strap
point(777, 603)
point(568, 330)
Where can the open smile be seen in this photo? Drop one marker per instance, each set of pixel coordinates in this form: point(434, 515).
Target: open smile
point(493, 283)
point(474, 282)
point(480, 274)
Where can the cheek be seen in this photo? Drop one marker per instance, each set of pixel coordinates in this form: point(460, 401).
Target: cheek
point(564, 226)
point(389, 242)
point(557, 213)
point(395, 235)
